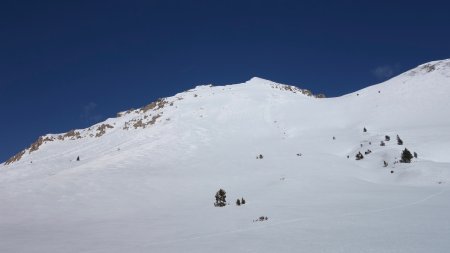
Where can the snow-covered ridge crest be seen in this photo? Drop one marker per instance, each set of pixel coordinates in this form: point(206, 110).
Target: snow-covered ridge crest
point(257, 81)
point(442, 67)
point(151, 114)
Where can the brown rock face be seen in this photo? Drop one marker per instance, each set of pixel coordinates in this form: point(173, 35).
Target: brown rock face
point(101, 130)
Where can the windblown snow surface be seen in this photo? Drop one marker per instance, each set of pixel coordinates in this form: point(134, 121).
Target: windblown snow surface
point(151, 189)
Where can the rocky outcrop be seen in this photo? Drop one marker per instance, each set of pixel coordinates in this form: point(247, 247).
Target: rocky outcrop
point(158, 104)
point(15, 158)
point(101, 130)
point(294, 89)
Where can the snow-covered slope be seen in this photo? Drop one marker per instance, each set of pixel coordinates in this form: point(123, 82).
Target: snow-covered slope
point(146, 180)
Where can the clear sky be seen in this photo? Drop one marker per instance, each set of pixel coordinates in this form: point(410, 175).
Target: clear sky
point(70, 64)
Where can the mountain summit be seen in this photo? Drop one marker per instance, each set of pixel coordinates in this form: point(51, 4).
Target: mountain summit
point(323, 173)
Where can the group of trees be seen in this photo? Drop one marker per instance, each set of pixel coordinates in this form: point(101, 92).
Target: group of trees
point(406, 155)
point(221, 201)
point(240, 202)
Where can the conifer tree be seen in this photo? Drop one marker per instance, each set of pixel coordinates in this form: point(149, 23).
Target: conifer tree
point(359, 156)
point(406, 156)
point(220, 198)
point(399, 141)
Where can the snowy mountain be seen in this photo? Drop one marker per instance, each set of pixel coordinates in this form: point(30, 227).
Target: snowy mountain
point(145, 180)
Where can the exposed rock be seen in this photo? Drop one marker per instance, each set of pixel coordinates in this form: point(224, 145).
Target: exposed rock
point(158, 104)
point(72, 134)
point(429, 67)
point(320, 95)
point(154, 118)
point(41, 140)
point(15, 158)
point(33, 147)
point(101, 130)
point(139, 124)
point(294, 89)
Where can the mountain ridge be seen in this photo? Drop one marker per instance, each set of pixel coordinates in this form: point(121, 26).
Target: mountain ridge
point(327, 173)
point(148, 115)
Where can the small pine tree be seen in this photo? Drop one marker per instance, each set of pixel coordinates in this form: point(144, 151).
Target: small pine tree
point(399, 141)
point(220, 198)
point(382, 143)
point(359, 156)
point(406, 156)
point(387, 138)
point(243, 201)
point(334, 138)
point(261, 156)
point(385, 163)
point(415, 155)
point(364, 130)
point(78, 158)
point(238, 202)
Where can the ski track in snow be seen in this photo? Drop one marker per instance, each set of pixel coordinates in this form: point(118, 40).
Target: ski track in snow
point(209, 139)
point(290, 221)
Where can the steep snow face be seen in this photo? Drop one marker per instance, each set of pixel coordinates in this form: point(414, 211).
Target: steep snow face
point(146, 180)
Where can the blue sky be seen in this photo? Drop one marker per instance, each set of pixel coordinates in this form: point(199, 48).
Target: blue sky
point(70, 64)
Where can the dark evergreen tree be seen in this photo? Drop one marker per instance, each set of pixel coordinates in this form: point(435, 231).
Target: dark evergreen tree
point(382, 143)
point(406, 156)
point(238, 202)
point(385, 164)
point(78, 158)
point(359, 156)
point(364, 130)
point(243, 201)
point(415, 155)
point(220, 198)
point(399, 141)
point(387, 138)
